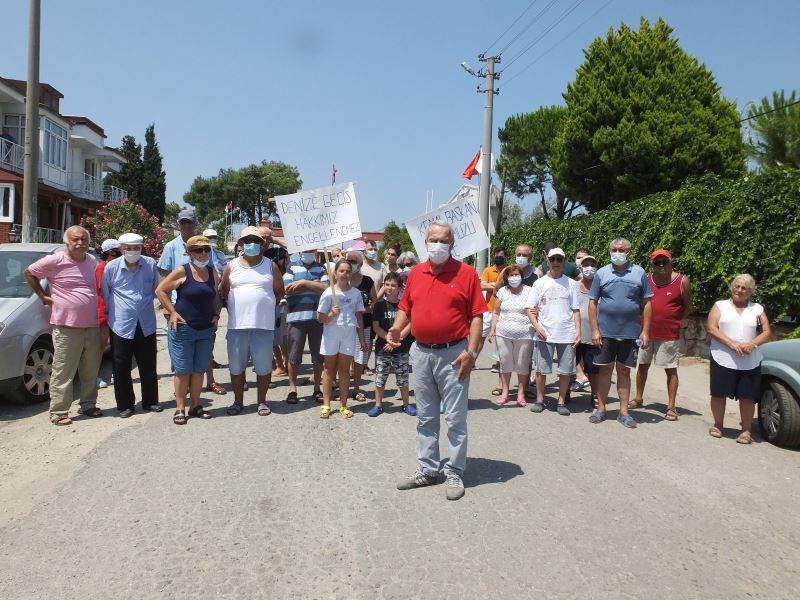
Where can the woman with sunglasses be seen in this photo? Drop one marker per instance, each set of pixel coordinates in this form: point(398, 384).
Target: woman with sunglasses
point(193, 319)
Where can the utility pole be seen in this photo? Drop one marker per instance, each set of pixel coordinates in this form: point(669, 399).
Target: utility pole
point(31, 156)
point(486, 150)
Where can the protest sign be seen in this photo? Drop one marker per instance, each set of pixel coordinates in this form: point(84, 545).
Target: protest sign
point(463, 216)
point(319, 217)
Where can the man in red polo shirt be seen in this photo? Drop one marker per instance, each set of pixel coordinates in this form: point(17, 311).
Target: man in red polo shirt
point(672, 302)
point(444, 302)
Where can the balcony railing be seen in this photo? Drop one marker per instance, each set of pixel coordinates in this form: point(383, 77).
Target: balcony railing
point(86, 186)
point(12, 155)
point(114, 194)
point(41, 235)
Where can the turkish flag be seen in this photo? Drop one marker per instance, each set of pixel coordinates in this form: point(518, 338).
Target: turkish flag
point(472, 167)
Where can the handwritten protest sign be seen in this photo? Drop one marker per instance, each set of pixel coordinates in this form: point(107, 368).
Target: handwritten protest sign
point(465, 219)
point(319, 217)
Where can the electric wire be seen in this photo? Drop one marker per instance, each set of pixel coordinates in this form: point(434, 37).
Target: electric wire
point(533, 21)
point(500, 37)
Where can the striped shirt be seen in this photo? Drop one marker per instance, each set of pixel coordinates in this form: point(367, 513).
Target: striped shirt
point(303, 306)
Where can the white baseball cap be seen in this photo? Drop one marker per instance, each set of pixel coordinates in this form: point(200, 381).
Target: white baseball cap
point(131, 238)
point(556, 252)
point(210, 233)
point(109, 244)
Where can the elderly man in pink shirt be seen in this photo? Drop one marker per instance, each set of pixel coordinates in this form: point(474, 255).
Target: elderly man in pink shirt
point(72, 294)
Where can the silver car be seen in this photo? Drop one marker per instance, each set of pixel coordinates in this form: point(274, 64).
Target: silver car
point(779, 406)
point(26, 346)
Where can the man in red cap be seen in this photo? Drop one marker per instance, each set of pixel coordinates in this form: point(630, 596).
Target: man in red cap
point(671, 304)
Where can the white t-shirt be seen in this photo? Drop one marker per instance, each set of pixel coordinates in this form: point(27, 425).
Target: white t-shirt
point(513, 322)
point(350, 303)
point(251, 300)
point(556, 299)
point(740, 328)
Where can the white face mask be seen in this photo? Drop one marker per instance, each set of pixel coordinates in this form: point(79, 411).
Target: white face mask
point(308, 257)
point(355, 268)
point(132, 256)
point(522, 261)
point(371, 254)
point(514, 281)
point(438, 252)
point(200, 264)
point(619, 258)
point(588, 272)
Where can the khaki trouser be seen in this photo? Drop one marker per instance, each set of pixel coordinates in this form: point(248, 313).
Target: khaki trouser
point(74, 349)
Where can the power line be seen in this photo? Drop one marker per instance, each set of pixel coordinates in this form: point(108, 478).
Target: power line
point(528, 26)
point(510, 26)
point(558, 43)
point(715, 135)
point(563, 16)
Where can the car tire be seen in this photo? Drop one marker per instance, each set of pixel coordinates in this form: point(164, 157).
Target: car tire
point(779, 414)
point(34, 385)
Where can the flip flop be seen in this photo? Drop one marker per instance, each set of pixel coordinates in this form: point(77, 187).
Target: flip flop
point(627, 421)
point(60, 420)
point(216, 388)
point(263, 410)
point(597, 417)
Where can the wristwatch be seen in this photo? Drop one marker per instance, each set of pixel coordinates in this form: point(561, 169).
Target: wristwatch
point(473, 354)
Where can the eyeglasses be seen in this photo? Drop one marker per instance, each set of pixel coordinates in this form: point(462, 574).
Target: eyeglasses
point(202, 250)
point(660, 263)
point(556, 259)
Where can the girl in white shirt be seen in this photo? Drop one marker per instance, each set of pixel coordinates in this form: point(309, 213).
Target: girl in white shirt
point(344, 327)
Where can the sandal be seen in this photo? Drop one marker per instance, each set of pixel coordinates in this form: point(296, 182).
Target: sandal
point(234, 409)
point(324, 412)
point(635, 404)
point(291, 398)
point(345, 412)
point(199, 412)
point(497, 391)
point(597, 417)
point(502, 399)
point(521, 402)
point(671, 415)
point(263, 410)
point(317, 397)
point(179, 418)
point(745, 438)
point(93, 412)
point(60, 420)
point(359, 397)
point(627, 421)
point(216, 388)
point(715, 432)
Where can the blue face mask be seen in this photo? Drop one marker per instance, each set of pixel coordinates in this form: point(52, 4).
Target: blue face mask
point(252, 249)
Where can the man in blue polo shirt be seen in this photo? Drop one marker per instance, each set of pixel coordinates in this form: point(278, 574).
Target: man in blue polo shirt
point(305, 280)
point(129, 283)
point(621, 294)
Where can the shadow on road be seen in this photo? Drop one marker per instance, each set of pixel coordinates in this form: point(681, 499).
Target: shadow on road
point(481, 471)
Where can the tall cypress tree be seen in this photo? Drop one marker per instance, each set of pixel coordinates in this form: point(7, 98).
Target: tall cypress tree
point(153, 182)
point(129, 177)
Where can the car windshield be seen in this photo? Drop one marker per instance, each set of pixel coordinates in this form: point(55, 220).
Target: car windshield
point(12, 265)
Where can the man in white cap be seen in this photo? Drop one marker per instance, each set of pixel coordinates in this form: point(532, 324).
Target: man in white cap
point(129, 285)
point(217, 256)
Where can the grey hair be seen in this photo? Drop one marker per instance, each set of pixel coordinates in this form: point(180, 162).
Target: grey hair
point(442, 225)
point(620, 242)
point(749, 280)
point(408, 256)
point(78, 228)
point(357, 253)
point(528, 246)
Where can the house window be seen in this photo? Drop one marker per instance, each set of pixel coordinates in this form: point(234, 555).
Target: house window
point(6, 203)
point(54, 151)
point(15, 125)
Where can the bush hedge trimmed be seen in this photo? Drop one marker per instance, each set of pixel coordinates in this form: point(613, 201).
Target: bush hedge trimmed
point(714, 228)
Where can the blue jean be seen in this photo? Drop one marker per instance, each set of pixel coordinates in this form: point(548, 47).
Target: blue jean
point(435, 381)
point(190, 349)
point(250, 343)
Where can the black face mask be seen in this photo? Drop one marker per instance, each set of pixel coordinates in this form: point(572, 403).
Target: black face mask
point(499, 260)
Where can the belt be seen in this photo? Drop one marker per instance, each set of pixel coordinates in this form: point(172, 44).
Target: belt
point(441, 346)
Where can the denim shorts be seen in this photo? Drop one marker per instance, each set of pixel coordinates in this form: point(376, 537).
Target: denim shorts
point(190, 349)
point(250, 343)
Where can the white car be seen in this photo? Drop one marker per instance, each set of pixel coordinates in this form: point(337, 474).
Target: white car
point(26, 346)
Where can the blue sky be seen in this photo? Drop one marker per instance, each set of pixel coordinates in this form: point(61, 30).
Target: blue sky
point(374, 87)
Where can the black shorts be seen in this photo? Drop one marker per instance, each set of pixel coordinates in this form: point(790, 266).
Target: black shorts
point(617, 350)
point(733, 383)
point(586, 355)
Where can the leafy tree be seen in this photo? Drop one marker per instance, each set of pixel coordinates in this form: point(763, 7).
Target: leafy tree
point(777, 132)
point(250, 190)
point(153, 182)
point(513, 215)
point(526, 157)
point(643, 116)
point(129, 177)
point(171, 210)
point(112, 220)
point(394, 233)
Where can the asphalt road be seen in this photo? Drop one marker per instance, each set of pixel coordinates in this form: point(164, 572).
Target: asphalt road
point(292, 506)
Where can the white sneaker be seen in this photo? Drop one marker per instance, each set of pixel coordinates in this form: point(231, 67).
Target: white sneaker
point(455, 487)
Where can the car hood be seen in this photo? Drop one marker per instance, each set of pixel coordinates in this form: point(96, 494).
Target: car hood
point(783, 351)
point(9, 305)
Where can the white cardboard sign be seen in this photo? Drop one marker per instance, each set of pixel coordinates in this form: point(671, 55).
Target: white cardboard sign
point(465, 219)
point(319, 217)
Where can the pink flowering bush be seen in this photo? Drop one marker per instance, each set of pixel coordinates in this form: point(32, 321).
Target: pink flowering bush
point(112, 220)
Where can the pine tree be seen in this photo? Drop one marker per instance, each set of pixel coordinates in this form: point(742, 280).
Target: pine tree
point(129, 177)
point(153, 182)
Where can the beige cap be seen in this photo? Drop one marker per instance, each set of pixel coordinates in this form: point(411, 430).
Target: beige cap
point(251, 230)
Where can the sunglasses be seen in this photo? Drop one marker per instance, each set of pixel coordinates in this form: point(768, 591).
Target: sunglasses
point(556, 259)
point(660, 263)
point(201, 250)
point(251, 240)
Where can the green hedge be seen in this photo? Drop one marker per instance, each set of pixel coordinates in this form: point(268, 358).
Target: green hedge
point(714, 228)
